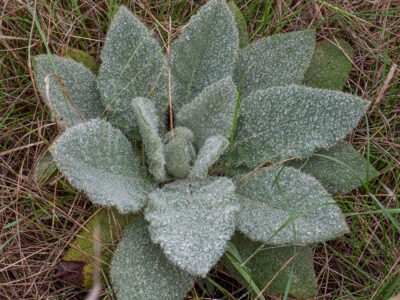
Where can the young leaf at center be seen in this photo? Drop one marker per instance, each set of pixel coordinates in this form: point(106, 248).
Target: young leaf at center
point(213, 147)
point(210, 113)
point(148, 122)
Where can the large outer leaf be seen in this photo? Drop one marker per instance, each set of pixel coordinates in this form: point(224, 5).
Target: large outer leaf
point(133, 63)
point(192, 221)
point(293, 120)
point(268, 262)
point(276, 195)
point(148, 122)
point(204, 53)
point(334, 177)
point(80, 84)
point(274, 61)
point(210, 113)
point(240, 24)
point(208, 155)
point(99, 160)
point(329, 67)
point(140, 270)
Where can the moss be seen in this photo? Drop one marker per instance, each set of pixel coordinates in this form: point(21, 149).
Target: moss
point(111, 223)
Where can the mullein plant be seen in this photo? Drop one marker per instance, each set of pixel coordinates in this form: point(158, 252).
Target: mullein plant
point(270, 113)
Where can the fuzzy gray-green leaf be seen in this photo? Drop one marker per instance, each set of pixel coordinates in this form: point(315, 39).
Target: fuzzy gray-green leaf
point(183, 132)
point(204, 53)
point(240, 24)
point(192, 221)
point(209, 153)
point(278, 60)
point(329, 67)
point(133, 65)
point(148, 122)
point(279, 195)
point(80, 84)
point(99, 160)
point(293, 120)
point(140, 270)
point(334, 177)
point(210, 113)
point(178, 156)
point(266, 267)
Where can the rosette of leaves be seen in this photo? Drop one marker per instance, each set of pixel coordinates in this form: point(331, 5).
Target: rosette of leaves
point(240, 105)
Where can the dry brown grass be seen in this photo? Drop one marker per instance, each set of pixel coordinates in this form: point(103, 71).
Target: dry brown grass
point(47, 219)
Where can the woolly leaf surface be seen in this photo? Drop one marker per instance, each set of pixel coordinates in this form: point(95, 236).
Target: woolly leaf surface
point(133, 66)
point(209, 153)
point(210, 113)
point(278, 60)
point(267, 265)
point(204, 53)
point(140, 270)
point(178, 156)
point(183, 132)
point(240, 24)
point(99, 160)
point(293, 120)
point(334, 177)
point(148, 122)
point(329, 67)
point(192, 221)
point(278, 195)
point(80, 84)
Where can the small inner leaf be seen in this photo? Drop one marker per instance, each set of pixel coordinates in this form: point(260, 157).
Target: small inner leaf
point(211, 113)
point(99, 160)
point(178, 157)
point(212, 149)
point(147, 119)
point(192, 221)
